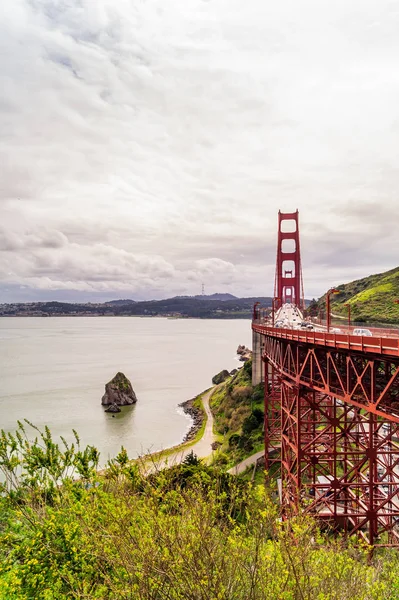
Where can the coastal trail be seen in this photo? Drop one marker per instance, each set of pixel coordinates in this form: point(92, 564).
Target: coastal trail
point(202, 448)
point(247, 462)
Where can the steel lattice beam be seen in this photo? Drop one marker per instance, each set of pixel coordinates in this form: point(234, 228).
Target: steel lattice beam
point(337, 434)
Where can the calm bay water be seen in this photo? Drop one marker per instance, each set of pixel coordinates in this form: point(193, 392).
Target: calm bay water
point(53, 372)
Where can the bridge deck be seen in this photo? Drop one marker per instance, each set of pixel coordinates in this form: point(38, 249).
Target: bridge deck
point(386, 346)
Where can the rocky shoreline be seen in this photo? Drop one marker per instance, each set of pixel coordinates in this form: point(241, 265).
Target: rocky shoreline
point(244, 353)
point(197, 415)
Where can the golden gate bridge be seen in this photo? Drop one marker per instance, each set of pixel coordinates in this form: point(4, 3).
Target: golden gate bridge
point(331, 409)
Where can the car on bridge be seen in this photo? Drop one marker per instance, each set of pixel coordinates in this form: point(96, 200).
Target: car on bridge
point(364, 332)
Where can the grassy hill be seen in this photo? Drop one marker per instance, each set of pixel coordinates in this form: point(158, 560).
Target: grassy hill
point(372, 299)
point(237, 408)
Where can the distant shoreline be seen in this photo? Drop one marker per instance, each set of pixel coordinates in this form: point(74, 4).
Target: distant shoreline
point(215, 306)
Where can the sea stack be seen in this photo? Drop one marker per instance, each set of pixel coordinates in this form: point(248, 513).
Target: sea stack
point(244, 353)
point(119, 391)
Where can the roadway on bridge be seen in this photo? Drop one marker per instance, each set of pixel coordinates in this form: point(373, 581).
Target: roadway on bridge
point(288, 316)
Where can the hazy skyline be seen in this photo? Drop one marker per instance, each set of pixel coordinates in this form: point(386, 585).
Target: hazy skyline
point(147, 146)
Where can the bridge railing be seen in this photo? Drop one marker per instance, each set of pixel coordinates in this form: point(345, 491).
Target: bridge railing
point(377, 329)
point(372, 345)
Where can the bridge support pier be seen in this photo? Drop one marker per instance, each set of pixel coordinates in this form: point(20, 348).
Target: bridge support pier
point(258, 345)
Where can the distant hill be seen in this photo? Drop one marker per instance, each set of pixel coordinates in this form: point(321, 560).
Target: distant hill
point(197, 307)
point(372, 299)
point(120, 302)
point(221, 297)
point(216, 306)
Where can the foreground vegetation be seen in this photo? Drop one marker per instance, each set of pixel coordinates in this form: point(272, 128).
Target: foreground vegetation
point(190, 532)
point(372, 299)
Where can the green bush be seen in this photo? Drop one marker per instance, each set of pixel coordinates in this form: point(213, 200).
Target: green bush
point(258, 394)
point(250, 423)
point(185, 533)
point(259, 415)
point(248, 368)
point(234, 440)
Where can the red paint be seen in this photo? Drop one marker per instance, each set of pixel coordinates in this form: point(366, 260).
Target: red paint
point(288, 283)
point(332, 417)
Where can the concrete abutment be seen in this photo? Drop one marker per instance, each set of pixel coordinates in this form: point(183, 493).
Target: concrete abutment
point(258, 344)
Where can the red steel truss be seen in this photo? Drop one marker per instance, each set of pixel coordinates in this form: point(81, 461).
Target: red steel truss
point(288, 283)
point(332, 424)
point(272, 417)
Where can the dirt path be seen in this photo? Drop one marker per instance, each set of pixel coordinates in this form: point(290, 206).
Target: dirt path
point(202, 448)
point(244, 464)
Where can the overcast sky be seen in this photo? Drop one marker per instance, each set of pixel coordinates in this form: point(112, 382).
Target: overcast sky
point(146, 146)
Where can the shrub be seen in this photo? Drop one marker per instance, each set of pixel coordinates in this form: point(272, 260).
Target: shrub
point(179, 534)
point(248, 368)
point(191, 460)
point(259, 415)
point(238, 417)
point(242, 392)
point(234, 440)
point(250, 423)
point(258, 393)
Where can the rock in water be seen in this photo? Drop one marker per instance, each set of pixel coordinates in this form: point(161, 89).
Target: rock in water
point(113, 408)
point(220, 377)
point(119, 391)
point(244, 353)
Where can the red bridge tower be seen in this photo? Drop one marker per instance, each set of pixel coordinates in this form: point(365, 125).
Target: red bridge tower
point(288, 287)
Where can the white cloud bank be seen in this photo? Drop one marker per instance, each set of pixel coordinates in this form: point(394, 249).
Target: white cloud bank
point(146, 147)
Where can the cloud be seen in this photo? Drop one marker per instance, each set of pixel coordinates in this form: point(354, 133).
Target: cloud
point(147, 147)
point(11, 241)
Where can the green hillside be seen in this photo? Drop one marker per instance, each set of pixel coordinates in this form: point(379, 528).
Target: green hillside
point(372, 299)
point(238, 413)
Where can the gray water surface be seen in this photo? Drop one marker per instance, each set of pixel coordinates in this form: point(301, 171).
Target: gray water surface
point(53, 371)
